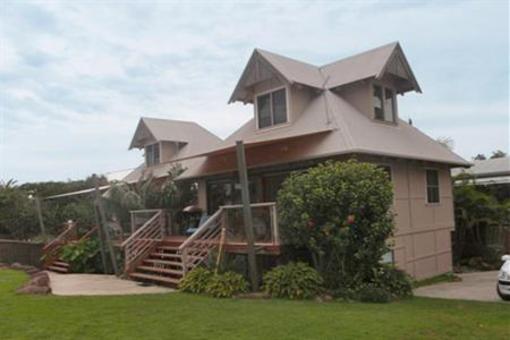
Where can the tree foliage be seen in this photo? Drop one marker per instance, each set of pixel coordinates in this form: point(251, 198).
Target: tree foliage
point(340, 212)
point(477, 211)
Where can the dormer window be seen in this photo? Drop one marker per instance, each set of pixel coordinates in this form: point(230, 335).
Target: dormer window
point(384, 104)
point(271, 108)
point(152, 154)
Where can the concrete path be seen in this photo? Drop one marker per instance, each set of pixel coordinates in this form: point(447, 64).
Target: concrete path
point(96, 284)
point(479, 286)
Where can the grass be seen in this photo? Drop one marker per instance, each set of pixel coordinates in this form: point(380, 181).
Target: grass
point(181, 316)
point(447, 277)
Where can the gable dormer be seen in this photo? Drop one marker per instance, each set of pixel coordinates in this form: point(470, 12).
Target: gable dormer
point(166, 140)
point(278, 87)
point(371, 81)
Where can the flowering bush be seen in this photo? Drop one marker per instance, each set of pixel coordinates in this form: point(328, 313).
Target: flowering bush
point(339, 211)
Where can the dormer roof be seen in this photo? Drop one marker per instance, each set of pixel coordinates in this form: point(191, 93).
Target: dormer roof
point(153, 130)
point(376, 63)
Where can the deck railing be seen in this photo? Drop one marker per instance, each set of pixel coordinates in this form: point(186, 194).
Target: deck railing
point(230, 219)
point(142, 241)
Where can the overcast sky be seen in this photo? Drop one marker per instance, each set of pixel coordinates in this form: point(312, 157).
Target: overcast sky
point(76, 76)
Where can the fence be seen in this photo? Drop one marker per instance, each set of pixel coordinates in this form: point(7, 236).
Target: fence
point(28, 253)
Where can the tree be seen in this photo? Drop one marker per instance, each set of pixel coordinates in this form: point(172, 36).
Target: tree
point(498, 154)
point(340, 212)
point(480, 157)
point(447, 142)
point(477, 211)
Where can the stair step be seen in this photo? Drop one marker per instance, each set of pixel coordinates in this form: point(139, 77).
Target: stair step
point(161, 270)
point(170, 248)
point(61, 264)
point(165, 262)
point(58, 269)
point(154, 278)
point(174, 256)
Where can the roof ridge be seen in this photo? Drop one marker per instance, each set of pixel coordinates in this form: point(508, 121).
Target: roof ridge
point(170, 120)
point(283, 56)
point(396, 43)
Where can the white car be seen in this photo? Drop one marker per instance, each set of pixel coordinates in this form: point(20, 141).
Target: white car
point(504, 279)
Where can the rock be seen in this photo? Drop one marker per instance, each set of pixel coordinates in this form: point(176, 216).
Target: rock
point(40, 280)
point(16, 265)
point(33, 271)
point(3, 265)
point(30, 289)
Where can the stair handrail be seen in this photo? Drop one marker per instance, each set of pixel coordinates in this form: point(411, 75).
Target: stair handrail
point(206, 225)
point(195, 249)
point(61, 237)
point(142, 240)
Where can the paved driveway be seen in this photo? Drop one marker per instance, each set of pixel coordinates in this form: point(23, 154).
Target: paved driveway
point(479, 286)
point(94, 284)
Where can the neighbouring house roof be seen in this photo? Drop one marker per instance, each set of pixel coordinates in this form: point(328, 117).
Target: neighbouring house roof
point(375, 63)
point(489, 171)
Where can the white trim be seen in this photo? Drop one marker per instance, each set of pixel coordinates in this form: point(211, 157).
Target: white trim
point(384, 87)
point(427, 187)
point(287, 102)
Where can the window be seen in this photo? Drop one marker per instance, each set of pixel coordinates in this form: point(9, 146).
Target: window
point(388, 258)
point(384, 104)
point(432, 186)
point(152, 154)
point(389, 106)
point(386, 169)
point(272, 108)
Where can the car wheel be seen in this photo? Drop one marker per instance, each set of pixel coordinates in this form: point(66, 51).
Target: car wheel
point(502, 296)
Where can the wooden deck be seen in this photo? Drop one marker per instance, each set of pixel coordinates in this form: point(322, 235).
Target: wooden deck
point(232, 247)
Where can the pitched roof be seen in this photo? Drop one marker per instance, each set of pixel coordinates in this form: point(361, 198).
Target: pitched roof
point(493, 167)
point(374, 63)
point(345, 130)
point(151, 130)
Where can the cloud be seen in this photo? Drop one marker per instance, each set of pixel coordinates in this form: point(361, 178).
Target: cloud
point(76, 76)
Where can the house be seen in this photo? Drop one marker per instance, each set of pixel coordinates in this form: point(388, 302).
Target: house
point(302, 115)
point(489, 172)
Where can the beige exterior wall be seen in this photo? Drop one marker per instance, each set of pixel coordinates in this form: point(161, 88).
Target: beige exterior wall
point(422, 242)
point(359, 95)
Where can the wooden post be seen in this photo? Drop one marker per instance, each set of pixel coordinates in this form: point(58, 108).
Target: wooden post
point(39, 216)
point(248, 219)
point(104, 226)
point(101, 238)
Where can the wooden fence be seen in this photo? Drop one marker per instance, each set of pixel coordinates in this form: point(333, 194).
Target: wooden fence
point(28, 253)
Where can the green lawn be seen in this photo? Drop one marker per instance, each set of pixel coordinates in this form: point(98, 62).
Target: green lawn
point(180, 316)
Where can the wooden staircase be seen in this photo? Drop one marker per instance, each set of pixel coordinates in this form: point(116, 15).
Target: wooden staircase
point(162, 266)
point(152, 258)
point(59, 266)
point(51, 251)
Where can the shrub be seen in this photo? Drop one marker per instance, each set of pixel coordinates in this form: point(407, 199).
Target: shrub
point(373, 293)
point(293, 281)
point(81, 256)
point(395, 281)
point(340, 212)
point(196, 281)
point(226, 285)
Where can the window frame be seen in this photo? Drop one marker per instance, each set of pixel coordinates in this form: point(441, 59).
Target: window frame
point(383, 101)
point(270, 92)
point(427, 185)
point(152, 159)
